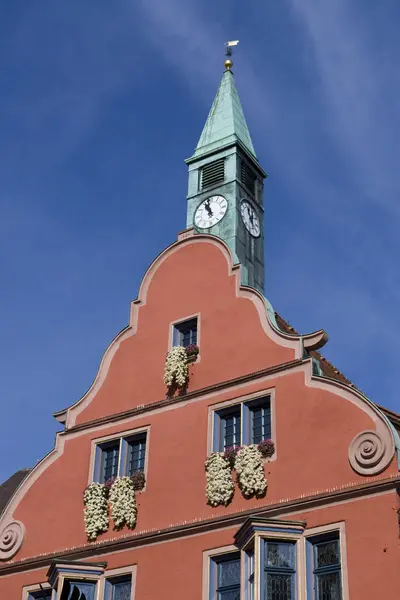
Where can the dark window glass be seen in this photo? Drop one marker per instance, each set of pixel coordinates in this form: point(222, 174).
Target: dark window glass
point(136, 454)
point(327, 580)
point(260, 421)
point(41, 595)
point(109, 460)
point(83, 587)
point(119, 589)
point(279, 570)
point(230, 429)
point(186, 333)
point(228, 578)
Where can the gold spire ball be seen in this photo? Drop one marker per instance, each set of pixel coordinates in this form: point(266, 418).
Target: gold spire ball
point(228, 63)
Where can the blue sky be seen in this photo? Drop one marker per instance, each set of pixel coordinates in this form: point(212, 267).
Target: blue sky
point(100, 103)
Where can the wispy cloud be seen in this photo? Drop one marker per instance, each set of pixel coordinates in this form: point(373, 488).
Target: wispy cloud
point(360, 83)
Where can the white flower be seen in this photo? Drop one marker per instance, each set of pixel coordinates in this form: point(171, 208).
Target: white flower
point(176, 367)
point(220, 486)
point(249, 467)
point(123, 503)
point(96, 510)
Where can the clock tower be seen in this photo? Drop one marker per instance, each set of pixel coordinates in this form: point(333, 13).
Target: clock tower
point(225, 194)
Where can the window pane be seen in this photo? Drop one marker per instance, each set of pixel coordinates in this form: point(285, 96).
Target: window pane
point(279, 587)
point(280, 555)
point(228, 578)
point(260, 421)
point(327, 554)
point(88, 589)
point(230, 430)
point(41, 595)
point(229, 573)
point(109, 459)
point(136, 455)
point(186, 332)
point(121, 590)
point(229, 595)
point(328, 586)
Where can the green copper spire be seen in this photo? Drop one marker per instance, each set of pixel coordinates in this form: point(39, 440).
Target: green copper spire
point(226, 123)
point(226, 183)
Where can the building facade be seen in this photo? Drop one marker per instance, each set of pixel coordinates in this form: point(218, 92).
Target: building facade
point(245, 467)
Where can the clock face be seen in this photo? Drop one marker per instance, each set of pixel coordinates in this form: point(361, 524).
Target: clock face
point(210, 212)
point(250, 218)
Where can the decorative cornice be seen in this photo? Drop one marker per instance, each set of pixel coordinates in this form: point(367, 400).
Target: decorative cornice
point(144, 408)
point(195, 527)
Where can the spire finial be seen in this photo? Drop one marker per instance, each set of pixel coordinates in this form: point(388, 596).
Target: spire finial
point(228, 52)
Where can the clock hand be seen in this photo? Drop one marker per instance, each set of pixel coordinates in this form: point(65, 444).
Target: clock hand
point(208, 208)
point(251, 216)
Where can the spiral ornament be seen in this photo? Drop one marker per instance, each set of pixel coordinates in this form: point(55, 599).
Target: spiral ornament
point(368, 453)
point(11, 538)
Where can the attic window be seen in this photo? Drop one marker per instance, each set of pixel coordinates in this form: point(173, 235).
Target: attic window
point(248, 177)
point(213, 173)
point(185, 333)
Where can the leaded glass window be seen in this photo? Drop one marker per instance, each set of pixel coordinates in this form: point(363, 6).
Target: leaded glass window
point(118, 588)
point(136, 454)
point(279, 570)
point(230, 428)
point(40, 595)
point(85, 589)
point(109, 460)
point(327, 570)
point(227, 578)
point(185, 333)
point(260, 421)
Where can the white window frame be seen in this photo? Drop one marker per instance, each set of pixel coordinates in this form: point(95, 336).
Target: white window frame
point(97, 442)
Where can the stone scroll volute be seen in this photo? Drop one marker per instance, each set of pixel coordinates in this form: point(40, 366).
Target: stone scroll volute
point(371, 452)
point(11, 539)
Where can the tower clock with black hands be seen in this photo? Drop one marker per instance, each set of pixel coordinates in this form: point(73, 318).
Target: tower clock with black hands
point(210, 212)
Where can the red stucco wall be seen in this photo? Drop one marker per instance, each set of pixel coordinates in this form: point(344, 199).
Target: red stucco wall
point(314, 428)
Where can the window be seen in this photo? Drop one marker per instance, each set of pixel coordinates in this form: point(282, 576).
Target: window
point(118, 588)
point(326, 569)
point(244, 423)
point(136, 454)
point(109, 460)
point(260, 421)
point(230, 428)
point(225, 577)
point(288, 562)
point(72, 588)
point(123, 456)
point(44, 594)
point(279, 570)
point(185, 333)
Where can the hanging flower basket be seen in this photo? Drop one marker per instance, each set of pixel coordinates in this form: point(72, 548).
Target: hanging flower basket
point(192, 352)
point(96, 510)
point(267, 448)
point(123, 503)
point(220, 486)
point(176, 367)
point(139, 480)
point(249, 467)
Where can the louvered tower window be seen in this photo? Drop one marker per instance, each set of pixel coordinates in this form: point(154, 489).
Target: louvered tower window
point(248, 178)
point(213, 173)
